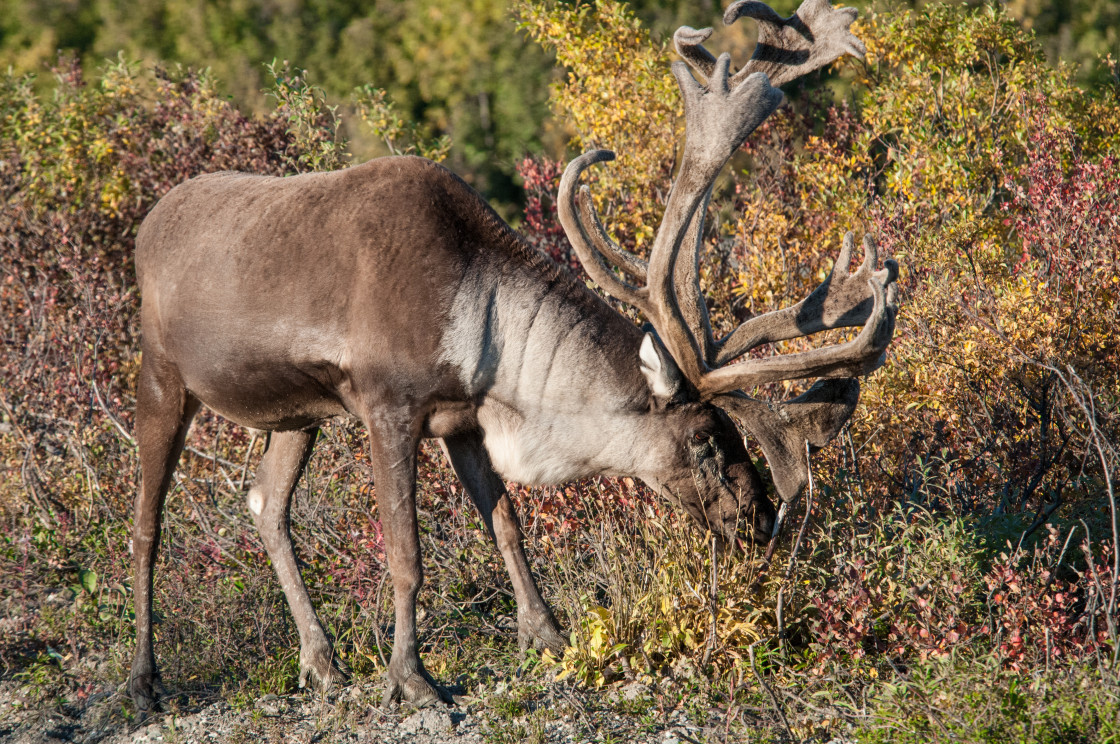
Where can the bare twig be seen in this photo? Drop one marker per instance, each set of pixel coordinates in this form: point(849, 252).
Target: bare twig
point(855, 462)
point(1042, 518)
point(769, 692)
point(212, 456)
point(1061, 557)
point(101, 401)
point(109, 414)
point(713, 593)
point(248, 456)
point(804, 520)
point(771, 546)
point(1110, 621)
point(796, 549)
point(377, 620)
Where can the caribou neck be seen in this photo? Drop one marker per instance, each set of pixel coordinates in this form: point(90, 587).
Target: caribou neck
point(553, 371)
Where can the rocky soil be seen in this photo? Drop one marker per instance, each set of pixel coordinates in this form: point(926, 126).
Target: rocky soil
point(496, 714)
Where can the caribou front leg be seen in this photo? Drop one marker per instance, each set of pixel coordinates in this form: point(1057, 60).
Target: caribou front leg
point(393, 447)
point(536, 626)
point(270, 501)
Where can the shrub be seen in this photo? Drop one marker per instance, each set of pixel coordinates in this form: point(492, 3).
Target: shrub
point(614, 73)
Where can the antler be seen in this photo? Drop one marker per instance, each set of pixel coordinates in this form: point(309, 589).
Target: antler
point(814, 36)
point(842, 300)
point(717, 120)
point(719, 115)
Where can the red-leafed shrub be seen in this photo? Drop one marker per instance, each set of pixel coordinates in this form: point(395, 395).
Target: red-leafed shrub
point(541, 178)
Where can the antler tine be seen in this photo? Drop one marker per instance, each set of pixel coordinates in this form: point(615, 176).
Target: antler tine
point(588, 242)
point(689, 43)
point(624, 259)
point(842, 300)
point(860, 356)
point(816, 35)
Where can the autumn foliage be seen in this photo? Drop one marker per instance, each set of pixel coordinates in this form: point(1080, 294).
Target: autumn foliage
point(964, 521)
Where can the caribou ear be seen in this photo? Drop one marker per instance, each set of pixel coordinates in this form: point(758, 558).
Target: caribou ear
point(664, 377)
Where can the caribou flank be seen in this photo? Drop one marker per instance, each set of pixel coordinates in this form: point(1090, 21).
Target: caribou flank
point(392, 294)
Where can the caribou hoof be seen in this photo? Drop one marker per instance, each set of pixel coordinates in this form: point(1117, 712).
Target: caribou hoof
point(322, 670)
point(541, 633)
point(416, 689)
point(145, 689)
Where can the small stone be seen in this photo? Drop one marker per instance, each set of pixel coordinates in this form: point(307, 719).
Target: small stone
point(633, 691)
point(270, 705)
point(685, 669)
point(431, 720)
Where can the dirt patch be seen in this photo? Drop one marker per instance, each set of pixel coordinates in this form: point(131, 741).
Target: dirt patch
point(501, 713)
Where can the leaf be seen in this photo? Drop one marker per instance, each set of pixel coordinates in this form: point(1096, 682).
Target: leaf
point(87, 577)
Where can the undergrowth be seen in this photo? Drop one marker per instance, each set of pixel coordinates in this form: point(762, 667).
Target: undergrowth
point(954, 576)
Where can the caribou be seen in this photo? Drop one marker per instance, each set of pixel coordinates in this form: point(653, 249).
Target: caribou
point(392, 294)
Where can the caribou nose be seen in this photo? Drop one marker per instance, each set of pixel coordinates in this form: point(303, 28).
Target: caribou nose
point(762, 522)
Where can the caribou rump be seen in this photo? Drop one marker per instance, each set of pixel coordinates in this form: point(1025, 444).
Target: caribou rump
point(392, 294)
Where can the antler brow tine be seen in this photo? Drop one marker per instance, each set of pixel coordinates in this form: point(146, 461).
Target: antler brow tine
point(624, 259)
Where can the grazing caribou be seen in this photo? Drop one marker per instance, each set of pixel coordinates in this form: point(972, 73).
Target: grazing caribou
point(391, 293)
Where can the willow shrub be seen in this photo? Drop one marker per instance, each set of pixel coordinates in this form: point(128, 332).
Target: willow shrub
point(993, 178)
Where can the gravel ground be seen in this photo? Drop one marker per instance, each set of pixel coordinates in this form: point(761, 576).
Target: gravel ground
point(560, 715)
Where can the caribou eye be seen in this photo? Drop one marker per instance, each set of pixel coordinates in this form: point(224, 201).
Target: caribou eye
point(700, 436)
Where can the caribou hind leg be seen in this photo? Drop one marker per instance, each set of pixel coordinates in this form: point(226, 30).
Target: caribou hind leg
point(536, 626)
point(393, 443)
point(164, 410)
point(270, 501)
